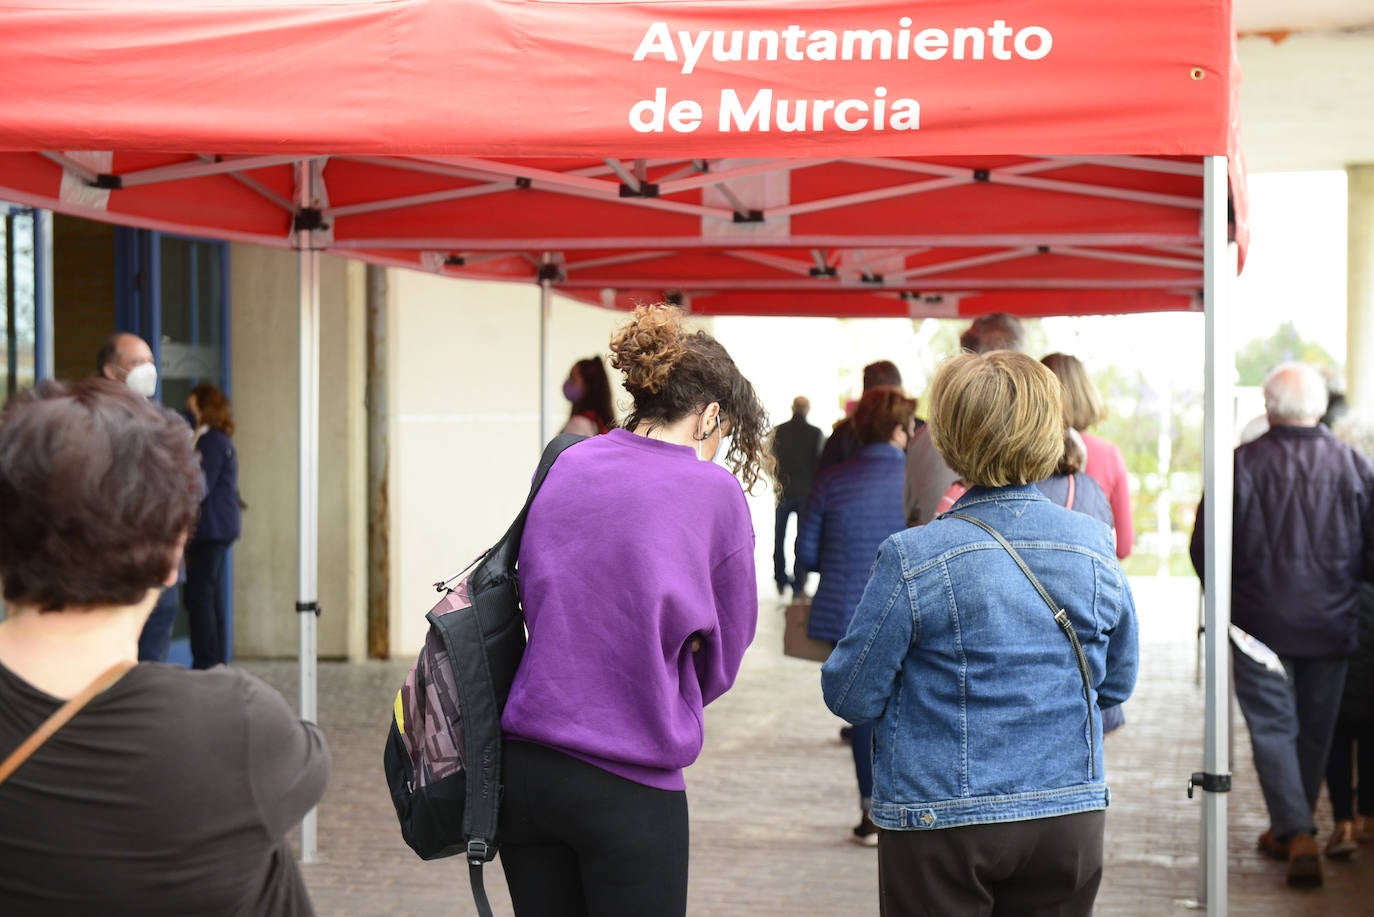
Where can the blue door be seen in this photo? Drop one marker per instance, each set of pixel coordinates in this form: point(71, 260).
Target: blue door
point(173, 291)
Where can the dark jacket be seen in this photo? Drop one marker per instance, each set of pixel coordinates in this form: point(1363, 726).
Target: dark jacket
point(1303, 541)
point(842, 445)
point(853, 507)
point(219, 508)
point(1357, 704)
point(797, 447)
point(1088, 496)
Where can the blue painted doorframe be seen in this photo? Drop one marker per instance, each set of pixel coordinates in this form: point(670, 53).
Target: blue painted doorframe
point(147, 302)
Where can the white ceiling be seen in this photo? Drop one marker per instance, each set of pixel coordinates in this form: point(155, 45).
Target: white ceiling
point(1307, 99)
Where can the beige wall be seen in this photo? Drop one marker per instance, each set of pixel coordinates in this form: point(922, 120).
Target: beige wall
point(264, 308)
point(464, 415)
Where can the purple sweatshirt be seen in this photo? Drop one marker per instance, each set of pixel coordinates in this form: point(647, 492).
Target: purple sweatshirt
point(632, 547)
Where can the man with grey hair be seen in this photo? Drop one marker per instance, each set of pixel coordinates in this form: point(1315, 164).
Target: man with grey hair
point(1303, 543)
point(927, 475)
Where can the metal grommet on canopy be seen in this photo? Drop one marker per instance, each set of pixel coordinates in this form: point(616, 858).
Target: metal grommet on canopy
point(1198, 73)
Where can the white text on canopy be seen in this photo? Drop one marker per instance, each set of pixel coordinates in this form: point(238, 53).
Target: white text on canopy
point(764, 110)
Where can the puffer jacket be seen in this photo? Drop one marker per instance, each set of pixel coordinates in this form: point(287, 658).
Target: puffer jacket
point(852, 508)
point(1303, 541)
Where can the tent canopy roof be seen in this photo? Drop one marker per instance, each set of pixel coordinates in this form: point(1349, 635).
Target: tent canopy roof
point(710, 138)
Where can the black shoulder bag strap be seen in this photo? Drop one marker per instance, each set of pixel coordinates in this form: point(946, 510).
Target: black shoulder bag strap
point(482, 807)
point(1061, 617)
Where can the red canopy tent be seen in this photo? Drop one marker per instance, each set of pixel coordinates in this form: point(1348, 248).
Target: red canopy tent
point(818, 157)
point(902, 130)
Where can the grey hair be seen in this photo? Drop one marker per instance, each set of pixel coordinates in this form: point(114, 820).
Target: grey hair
point(994, 331)
point(1357, 429)
point(1294, 392)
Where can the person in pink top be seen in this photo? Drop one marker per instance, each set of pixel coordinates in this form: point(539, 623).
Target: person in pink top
point(1105, 463)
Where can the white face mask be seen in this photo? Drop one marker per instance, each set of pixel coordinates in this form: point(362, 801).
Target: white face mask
point(721, 451)
point(143, 379)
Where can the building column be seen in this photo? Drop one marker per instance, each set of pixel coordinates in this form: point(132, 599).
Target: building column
point(1359, 360)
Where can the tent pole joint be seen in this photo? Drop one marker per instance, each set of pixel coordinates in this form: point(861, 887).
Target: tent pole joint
point(308, 607)
point(645, 189)
point(308, 219)
point(1210, 783)
point(748, 216)
point(107, 182)
point(550, 273)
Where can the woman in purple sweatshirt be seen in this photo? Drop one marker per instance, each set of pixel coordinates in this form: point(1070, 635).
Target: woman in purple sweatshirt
point(638, 582)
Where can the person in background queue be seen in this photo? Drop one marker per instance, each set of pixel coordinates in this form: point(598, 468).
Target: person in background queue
point(127, 358)
point(844, 441)
point(853, 507)
point(218, 527)
point(796, 448)
point(1302, 549)
point(1104, 462)
point(928, 476)
point(589, 392)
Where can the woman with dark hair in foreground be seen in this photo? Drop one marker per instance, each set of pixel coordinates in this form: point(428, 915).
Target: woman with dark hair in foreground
point(170, 792)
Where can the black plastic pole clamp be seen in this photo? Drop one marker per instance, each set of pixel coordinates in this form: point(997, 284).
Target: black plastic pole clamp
point(1210, 783)
point(303, 607)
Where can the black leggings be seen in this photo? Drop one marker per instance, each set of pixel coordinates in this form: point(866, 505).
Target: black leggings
point(577, 840)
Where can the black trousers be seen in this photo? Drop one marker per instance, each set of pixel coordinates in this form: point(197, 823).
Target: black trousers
point(1352, 741)
point(204, 601)
point(579, 841)
point(1042, 867)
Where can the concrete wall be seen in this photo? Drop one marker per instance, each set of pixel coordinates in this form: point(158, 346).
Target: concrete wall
point(264, 306)
point(464, 409)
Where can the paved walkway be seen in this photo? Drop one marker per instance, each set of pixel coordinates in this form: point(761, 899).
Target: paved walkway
point(773, 798)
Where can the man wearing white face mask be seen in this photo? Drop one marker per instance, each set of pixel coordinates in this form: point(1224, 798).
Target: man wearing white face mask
point(127, 358)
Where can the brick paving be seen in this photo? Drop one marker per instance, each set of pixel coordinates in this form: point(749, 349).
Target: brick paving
point(773, 797)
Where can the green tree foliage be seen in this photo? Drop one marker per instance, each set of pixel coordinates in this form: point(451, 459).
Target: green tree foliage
point(1259, 356)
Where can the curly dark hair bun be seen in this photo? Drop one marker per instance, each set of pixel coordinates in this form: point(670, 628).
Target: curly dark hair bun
point(671, 372)
point(648, 347)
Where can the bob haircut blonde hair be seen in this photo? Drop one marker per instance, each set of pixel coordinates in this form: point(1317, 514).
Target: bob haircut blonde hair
point(1082, 403)
point(997, 418)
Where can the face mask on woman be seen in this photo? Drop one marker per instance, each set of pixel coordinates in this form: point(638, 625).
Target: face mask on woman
point(572, 390)
point(142, 379)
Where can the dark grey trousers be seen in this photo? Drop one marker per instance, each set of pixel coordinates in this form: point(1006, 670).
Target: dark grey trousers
point(1291, 721)
point(1042, 867)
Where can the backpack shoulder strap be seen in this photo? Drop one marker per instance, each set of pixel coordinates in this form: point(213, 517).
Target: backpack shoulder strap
point(500, 559)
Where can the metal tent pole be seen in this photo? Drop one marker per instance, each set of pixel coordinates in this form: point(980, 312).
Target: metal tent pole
point(308, 476)
point(43, 365)
point(1218, 470)
point(548, 272)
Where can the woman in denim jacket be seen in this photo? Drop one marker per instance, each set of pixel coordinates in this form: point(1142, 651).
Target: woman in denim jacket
point(988, 772)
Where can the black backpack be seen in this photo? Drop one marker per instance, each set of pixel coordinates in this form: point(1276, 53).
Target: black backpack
point(443, 752)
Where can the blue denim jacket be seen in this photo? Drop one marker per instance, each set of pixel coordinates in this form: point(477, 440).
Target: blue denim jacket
point(977, 696)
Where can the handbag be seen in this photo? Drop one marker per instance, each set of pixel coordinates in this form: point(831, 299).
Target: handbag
point(60, 717)
point(1061, 617)
point(795, 642)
